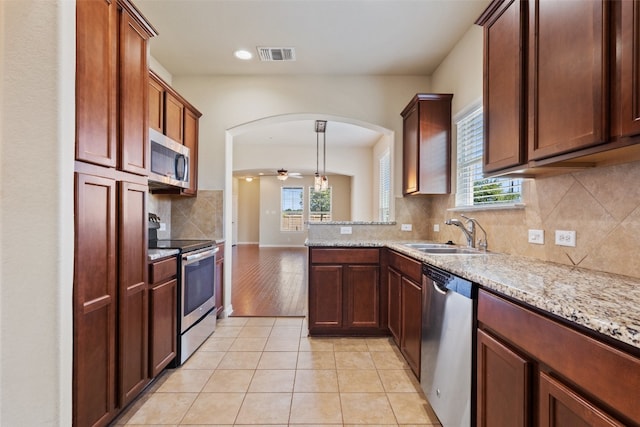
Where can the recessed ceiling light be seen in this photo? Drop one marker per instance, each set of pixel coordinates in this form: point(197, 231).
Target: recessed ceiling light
point(243, 54)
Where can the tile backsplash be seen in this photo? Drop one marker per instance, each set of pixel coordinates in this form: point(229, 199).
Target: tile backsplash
point(602, 205)
point(198, 217)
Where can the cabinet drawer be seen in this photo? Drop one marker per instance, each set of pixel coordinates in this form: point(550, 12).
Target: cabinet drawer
point(162, 270)
point(593, 366)
point(407, 266)
point(345, 256)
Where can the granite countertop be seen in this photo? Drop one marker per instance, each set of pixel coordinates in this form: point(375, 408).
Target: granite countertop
point(156, 254)
point(603, 302)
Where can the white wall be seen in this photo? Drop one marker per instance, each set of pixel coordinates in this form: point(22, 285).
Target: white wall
point(352, 161)
point(37, 128)
point(230, 101)
point(270, 198)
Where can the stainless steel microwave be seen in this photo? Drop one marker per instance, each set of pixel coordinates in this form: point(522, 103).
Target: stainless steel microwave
point(169, 161)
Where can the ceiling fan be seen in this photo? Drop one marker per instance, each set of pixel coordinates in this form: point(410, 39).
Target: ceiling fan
point(283, 174)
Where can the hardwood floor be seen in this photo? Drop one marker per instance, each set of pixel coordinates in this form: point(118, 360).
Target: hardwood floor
point(269, 281)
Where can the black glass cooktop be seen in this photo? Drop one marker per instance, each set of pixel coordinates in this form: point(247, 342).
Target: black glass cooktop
point(182, 245)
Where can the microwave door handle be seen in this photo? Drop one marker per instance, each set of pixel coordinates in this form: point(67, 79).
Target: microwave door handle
point(181, 167)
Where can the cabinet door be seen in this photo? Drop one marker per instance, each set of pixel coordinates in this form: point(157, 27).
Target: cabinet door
point(568, 76)
point(560, 406)
point(363, 296)
point(504, 88)
point(394, 283)
point(156, 105)
point(410, 150)
point(626, 108)
point(134, 103)
point(411, 323)
point(174, 118)
point(219, 286)
point(325, 296)
point(191, 141)
point(163, 330)
point(503, 393)
point(96, 74)
point(133, 303)
point(94, 301)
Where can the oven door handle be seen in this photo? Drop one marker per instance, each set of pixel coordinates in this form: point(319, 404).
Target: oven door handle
point(200, 255)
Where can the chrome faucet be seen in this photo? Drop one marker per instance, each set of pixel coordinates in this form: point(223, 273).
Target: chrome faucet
point(470, 233)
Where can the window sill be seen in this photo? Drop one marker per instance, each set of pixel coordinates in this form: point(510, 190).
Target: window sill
point(501, 207)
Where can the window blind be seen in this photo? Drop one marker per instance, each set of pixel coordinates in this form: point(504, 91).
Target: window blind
point(473, 189)
point(385, 186)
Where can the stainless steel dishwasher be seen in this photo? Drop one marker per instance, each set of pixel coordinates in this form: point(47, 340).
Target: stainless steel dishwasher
point(446, 373)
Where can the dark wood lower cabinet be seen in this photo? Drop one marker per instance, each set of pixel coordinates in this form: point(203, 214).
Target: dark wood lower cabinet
point(133, 293)
point(504, 381)
point(94, 301)
point(534, 370)
point(344, 291)
point(163, 314)
point(560, 406)
point(411, 341)
point(404, 281)
point(219, 284)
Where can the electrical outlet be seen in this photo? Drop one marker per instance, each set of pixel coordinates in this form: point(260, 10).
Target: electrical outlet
point(163, 226)
point(406, 227)
point(436, 227)
point(566, 238)
point(345, 230)
point(536, 237)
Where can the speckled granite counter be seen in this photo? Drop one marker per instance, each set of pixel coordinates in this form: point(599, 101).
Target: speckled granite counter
point(155, 254)
point(603, 302)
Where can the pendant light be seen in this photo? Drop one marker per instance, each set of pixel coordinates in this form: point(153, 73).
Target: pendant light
point(317, 180)
point(321, 183)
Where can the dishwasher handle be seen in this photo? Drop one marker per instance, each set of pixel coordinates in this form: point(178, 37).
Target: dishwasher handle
point(438, 288)
point(446, 281)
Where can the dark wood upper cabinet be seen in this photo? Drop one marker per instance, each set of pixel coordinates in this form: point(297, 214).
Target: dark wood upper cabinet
point(562, 86)
point(426, 145)
point(191, 141)
point(96, 81)
point(568, 76)
point(626, 72)
point(173, 116)
point(134, 104)
point(504, 86)
point(156, 104)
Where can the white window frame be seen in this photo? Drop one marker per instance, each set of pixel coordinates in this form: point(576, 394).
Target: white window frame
point(384, 169)
point(284, 213)
point(470, 181)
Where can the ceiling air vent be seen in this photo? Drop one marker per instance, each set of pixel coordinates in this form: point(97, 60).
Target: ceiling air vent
point(276, 53)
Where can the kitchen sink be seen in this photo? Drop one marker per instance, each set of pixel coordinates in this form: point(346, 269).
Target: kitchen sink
point(452, 251)
point(423, 246)
point(444, 249)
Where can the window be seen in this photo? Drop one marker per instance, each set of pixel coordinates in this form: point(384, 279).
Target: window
point(291, 202)
point(319, 205)
point(384, 167)
point(472, 188)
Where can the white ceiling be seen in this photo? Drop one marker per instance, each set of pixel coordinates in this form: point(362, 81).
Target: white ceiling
point(373, 37)
point(330, 37)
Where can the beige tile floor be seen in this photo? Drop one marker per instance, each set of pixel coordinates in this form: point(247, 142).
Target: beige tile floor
point(266, 371)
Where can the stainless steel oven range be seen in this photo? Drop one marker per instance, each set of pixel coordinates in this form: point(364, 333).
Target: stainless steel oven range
point(196, 292)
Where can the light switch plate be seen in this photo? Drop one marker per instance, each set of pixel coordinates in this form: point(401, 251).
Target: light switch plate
point(536, 237)
point(566, 238)
point(406, 227)
point(163, 226)
point(436, 227)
